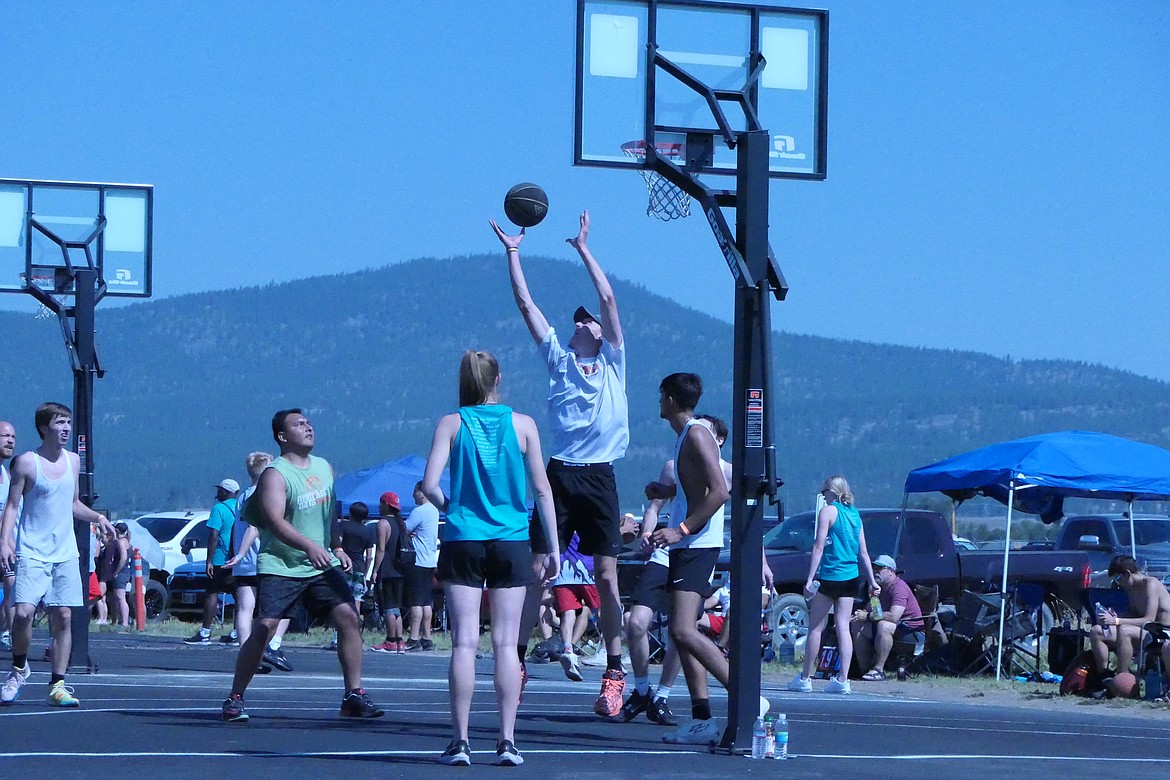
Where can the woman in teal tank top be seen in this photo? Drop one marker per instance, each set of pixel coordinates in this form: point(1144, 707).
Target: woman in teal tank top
point(486, 541)
point(839, 560)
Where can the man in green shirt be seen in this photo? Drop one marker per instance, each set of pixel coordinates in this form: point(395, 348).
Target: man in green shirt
point(293, 508)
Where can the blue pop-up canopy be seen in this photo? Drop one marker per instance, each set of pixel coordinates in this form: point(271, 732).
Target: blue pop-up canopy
point(398, 476)
point(1036, 473)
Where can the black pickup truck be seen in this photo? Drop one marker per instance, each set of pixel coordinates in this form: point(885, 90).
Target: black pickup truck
point(1104, 536)
point(921, 542)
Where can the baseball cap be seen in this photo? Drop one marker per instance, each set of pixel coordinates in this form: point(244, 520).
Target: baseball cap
point(885, 562)
point(390, 499)
point(582, 314)
point(230, 485)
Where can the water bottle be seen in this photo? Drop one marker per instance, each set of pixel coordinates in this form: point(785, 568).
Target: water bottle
point(875, 609)
point(781, 728)
point(759, 737)
point(769, 736)
point(1153, 683)
point(1105, 630)
point(787, 652)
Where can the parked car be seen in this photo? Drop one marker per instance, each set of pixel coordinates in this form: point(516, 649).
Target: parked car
point(1106, 535)
point(183, 539)
point(185, 591)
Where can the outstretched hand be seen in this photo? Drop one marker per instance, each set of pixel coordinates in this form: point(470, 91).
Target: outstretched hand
point(509, 242)
point(579, 241)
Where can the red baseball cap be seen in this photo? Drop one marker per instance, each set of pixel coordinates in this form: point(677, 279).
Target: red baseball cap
point(390, 499)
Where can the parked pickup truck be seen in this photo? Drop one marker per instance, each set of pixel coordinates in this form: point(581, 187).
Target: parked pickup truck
point(1104, 536)
point(921, 542)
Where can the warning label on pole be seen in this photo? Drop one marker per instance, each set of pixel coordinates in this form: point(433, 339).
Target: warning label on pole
point(82, 452)
point(755, 418)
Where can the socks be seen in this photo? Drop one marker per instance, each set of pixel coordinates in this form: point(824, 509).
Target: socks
point(56, 678)
point(613, 662)
point(642, 685)
point(701, 709)
point(205, 632)
point(19, 661)
point(663, 692)
point(274, 645)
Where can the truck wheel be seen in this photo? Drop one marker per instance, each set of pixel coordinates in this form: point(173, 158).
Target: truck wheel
point(155, 598)
point(788, 618)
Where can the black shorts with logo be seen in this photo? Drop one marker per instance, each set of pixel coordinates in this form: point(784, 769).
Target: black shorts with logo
point(491, 564)
point(651, 588)
point(586, 502)
point(418, 590)
point(320, 594)
point(691, 569)
point(221, 580)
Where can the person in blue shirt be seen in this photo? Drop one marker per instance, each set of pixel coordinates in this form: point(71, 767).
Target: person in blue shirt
point(219, 549)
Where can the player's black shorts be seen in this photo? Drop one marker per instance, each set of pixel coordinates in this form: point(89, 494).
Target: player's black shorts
point(418, 589)
point(839, 589)
point(247, 580)
point(651, 588)
point(691, 569)
point(221, 580)
point(390, 593)
point(491, 564)
point(320, 594)
point(586, 502)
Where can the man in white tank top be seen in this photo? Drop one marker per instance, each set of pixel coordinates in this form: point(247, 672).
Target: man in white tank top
point(7, 447)
point(45, 551)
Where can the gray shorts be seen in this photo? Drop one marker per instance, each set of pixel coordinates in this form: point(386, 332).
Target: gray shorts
point(56, 584)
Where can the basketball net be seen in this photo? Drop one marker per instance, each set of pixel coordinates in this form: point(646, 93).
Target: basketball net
point(44, 312)
point(667, 201)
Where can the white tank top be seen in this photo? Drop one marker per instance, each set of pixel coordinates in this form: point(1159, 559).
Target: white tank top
point(46, 521)
point(711, 534)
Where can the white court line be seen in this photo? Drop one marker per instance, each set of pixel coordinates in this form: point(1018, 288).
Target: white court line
point(986, 757)
point(339, 753)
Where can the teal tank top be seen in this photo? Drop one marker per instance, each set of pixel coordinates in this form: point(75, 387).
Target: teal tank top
point(488, 484)
point(839, 561)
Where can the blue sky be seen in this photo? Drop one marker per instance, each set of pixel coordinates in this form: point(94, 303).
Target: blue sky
point(997, 171)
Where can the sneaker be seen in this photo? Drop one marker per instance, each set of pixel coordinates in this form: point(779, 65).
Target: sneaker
point(6, 641)
point(61, 695)
point(635, 706)
point(276, 658)
point(413, 646)
point(233, 709)
point(659, 712)
point(507, 754)
point(10, 691)
point(697, 732)
point(838, 686)
point(358, 704)
point(385, 647)
point(428, 645)
point(400, 647)
point(800, 684)
point(228, 640)
point(199, 639)
point(572, 666)
point(609, 701)
point(458, 753)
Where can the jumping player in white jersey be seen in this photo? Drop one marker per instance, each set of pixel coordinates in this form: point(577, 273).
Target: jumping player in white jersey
point(45, 550)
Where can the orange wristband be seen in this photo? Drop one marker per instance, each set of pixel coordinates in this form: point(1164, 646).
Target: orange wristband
point(682, 527)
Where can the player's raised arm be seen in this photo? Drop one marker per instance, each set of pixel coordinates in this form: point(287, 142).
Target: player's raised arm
point(611, 326)
point(533, 317)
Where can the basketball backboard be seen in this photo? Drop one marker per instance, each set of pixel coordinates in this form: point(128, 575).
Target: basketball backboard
point(49, 227)
point(719, 45)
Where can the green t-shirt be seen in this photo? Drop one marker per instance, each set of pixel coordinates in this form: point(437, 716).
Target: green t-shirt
point(308, 508)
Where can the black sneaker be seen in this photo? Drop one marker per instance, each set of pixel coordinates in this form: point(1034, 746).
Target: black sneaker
point(413, 645)
point(659, 712)
point(634, 706)
point(358, 704)
point(428, 644)
point(198, 639)
point(229, 641)
point(276, 658)
point(507, 754)
point(458, 753)
point(233, 710)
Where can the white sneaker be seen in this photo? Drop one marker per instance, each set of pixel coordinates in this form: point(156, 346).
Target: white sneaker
point(572, 666)
point(600, 659)
point(11, 688)
point(800, 684)
point(696, 732)
point(838, 686)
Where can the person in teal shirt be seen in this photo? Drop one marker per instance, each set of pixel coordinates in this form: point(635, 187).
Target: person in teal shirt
point(487, 543)
point(219, 540)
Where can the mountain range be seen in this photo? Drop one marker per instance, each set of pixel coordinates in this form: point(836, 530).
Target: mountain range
point(372, 356)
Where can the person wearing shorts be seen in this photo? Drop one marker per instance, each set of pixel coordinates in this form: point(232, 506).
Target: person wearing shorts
point(573, 592)
point(900, 621)
point(486, 543)
point(839, 559)
point(293, 507)
point(589, 413)
point(418, 586)
point(44, 491)
point(7, 574)
point(219, 549)
point(389, 573)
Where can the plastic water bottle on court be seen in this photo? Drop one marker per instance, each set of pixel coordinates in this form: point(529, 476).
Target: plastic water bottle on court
point(759, 738)
point(781, 729)
point(769, 736)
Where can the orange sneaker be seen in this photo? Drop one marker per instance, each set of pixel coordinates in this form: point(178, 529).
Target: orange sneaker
point(613, 685)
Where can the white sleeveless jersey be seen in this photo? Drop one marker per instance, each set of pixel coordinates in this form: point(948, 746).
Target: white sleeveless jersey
point(711, 534)
point(46, 519)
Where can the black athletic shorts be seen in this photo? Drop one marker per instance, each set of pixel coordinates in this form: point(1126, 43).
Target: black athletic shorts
point(651, 588)
point(691, 569)
point(390, 593)
point(247, 580)
point(586, 502)
point(490, 564)
point(221, 580)
point(320, 594)
point(418, 588)
point(839, 589)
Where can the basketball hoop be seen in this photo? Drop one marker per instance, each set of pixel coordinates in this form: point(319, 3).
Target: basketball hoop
point(667, 201)
point(44, 312)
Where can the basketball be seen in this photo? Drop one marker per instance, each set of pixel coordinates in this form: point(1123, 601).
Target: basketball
point(1123, 686)
point(525, 205)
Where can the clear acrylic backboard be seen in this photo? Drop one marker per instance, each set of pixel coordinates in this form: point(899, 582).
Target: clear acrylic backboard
point(716, 43)
point(47, 226)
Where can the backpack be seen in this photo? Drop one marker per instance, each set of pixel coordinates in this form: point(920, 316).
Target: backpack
point(1080, 679)
point(404, 556)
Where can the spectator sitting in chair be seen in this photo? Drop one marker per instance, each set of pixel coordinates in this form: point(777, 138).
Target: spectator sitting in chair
point(1148, 602)
point(901, 620)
